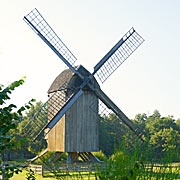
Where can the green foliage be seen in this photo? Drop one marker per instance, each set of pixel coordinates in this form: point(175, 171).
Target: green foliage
point(28, 149)
point(165, 139)
point(112, 131)
point(121, 165)
point(9, 118)
point(178, 124)
point(30, 174)
point(140, 118)
point(37, 145)
point(106, 138)
point(29, 115)
point(161, 134)
point(134, 165)
point(160, 123)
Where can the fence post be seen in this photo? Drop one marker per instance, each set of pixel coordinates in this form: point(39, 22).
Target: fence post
point(42, 171)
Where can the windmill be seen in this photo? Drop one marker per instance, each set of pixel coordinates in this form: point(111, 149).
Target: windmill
point(67, 121)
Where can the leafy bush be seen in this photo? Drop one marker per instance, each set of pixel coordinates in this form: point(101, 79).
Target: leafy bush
point(136, 164)
point(120, 166)
point(9, 118)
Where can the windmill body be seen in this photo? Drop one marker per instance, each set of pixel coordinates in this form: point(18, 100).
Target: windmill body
point(78, 129)
point(71, 125)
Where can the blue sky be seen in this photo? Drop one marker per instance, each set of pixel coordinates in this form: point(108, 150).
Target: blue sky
point(148, 80)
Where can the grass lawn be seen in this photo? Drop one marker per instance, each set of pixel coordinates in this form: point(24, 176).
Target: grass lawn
point(156, 174)
point(156, 171)
point(22, 176)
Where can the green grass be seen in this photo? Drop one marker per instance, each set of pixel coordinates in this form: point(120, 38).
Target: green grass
point(22, 176)
point(151, 173)
point(162, 173)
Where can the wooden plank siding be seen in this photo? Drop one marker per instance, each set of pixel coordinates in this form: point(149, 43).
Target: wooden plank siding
point(81, 125)
point(55, 137)
point(77, 131)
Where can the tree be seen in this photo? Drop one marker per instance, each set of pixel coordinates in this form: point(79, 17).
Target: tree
point(160, 123)
point(106, 139)
point(140, 122)
point(113, 132)
point(161, 134)
point(141, 118)
point(9, 118)
point(165, 141)
point(36, 146)
point(28, 149)
point(178, 124)
point(29, 114)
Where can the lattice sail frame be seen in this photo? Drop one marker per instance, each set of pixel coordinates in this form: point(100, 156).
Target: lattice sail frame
point(104, 113)
point(127, 45)
point(47, 112)
point(39, 25)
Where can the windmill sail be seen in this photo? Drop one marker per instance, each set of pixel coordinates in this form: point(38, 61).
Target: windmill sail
point(50, 113)
point(106, 115)
point(35, 20)
point(118, 54)
point(107, 101)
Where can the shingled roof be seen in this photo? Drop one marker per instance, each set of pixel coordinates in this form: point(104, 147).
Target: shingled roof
point(72, 80)
point(63, 77)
